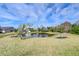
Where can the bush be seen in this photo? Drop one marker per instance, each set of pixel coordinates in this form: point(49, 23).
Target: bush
point(75, 29)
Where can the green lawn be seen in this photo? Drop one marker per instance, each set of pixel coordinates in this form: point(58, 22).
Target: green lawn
point(12, 46)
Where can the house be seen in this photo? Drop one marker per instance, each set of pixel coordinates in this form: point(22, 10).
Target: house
point(64, 27)
point(6, 29)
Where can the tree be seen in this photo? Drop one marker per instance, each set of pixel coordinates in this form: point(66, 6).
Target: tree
point(32, 29)
point(75, 29)
point(23, 31)
point(42, 29)
point(50, 29)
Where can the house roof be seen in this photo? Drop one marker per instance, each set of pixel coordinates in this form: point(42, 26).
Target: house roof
point(68, 23)
point(6, 28)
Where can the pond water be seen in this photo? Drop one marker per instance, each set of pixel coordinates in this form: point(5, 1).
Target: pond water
point(35, 35)
point(41, 35)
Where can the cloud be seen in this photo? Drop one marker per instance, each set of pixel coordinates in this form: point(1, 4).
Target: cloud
point(46, 14)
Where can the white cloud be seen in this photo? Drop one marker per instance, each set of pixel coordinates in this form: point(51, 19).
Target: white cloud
point(39, 13)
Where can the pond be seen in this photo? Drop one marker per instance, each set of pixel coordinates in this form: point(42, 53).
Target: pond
point(41, 35)
point(36, 35)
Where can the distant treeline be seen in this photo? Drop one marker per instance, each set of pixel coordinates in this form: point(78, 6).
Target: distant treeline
point(66, 27)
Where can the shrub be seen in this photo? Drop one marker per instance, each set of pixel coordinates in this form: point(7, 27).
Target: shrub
point(75, 29)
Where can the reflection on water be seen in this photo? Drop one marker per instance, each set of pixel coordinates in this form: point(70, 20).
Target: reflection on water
point(41, 35)
point(35, 35)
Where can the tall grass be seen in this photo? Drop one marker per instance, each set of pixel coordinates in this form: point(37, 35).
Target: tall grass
point(48, 46)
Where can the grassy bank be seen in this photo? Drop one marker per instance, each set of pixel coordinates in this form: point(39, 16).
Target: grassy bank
point(6, 34)
point(40, 46)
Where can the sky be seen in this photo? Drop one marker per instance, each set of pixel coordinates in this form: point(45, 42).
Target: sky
point(38, 14)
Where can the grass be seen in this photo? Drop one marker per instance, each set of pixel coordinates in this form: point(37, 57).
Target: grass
point(48, 46)
point(7, 34)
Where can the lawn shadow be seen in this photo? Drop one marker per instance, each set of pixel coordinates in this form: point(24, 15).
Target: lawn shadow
point(61, 37)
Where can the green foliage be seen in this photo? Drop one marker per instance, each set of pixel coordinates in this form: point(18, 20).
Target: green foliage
point(23, 30)
point(72, 29)
point(50, 29)
point(75, 29)
point(59, 29)
point(46, 29)
point(16, 30)
point(42, 29)
point(32, 29)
